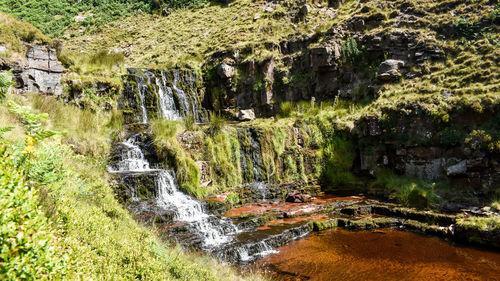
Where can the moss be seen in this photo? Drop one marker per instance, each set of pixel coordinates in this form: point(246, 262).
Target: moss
point(322, 225)
point(338, 157)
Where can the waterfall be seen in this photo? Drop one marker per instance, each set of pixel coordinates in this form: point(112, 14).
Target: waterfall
point(166, 100)
point(131, 158)
point(213, 231)
point(168, 94)
point(250, 152)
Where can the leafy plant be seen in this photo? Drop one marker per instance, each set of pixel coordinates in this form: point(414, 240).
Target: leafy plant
point(29, 249)
point(32, 122)
point(350, 51)
point(5, 83)
point(4, 130)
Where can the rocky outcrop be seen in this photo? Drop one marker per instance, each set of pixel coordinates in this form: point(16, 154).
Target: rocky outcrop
point(390, 70)
point(39, 72)
point(423, 147)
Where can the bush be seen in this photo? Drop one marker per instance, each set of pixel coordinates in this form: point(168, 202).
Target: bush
point(338, 157)
point(216, 123)
point(29, 249)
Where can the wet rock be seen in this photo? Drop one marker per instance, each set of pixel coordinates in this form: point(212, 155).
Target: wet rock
point(389, 70)
point(246, 115)
point(297, 197)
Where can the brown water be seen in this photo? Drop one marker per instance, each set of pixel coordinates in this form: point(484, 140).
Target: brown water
point(385, 254)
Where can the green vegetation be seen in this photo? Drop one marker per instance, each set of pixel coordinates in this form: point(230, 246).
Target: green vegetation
point(410, 191)
point(14, 34)
point(53, 17)
point(338, 157)
point(73, 227)
point(187, 36)
point(5, 83)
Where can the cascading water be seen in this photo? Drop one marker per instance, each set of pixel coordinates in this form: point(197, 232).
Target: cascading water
point(166, 100)
point(131, 158)
point(213, 231)
point(196, 226)
point(172, 94)
point(250, 156)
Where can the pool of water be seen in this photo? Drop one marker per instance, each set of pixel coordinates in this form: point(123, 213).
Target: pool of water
point(385, 254)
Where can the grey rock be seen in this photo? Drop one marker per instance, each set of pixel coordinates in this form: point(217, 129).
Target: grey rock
point(246, 115)
point(457, 169)
point(2, 49)
point(42, 72)
point(325, 57)
point(390, 70)
point(225, 71)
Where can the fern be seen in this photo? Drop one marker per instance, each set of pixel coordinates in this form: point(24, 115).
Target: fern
point(5, 83)
point(32, 122)
point(4, 130)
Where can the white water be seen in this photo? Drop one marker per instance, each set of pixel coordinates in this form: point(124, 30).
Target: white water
point(131, 159)
point(188, 209)
point(213, 230)
point(166, 98)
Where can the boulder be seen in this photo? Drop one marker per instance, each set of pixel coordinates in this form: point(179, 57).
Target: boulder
point(246, 115)
point(225, 71)
point(389, 70)
point(297, 197)
point(458, 169)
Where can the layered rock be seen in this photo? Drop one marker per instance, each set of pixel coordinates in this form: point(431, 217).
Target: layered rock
point(39, 72)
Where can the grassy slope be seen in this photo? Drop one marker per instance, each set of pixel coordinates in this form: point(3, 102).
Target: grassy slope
point(187, 36)
point(14, 34)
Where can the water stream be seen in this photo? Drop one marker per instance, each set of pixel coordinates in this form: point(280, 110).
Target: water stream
point(164, 94)
point(195, 225)
point(385, 254)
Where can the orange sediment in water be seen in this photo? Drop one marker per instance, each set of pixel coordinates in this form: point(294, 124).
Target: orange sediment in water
point(385, 254)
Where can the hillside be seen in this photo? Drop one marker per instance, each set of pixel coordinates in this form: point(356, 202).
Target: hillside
point(163, 139)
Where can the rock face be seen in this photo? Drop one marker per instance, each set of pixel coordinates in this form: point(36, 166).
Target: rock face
point(414, 146)
point(41, 73)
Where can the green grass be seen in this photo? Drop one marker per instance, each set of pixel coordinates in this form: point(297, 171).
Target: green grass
point(187, 36)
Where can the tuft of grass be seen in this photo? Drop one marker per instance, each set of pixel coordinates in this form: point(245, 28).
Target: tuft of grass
point(410, 191)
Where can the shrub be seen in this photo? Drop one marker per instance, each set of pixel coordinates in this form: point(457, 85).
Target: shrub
point(216, 123)
point(338, 157)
